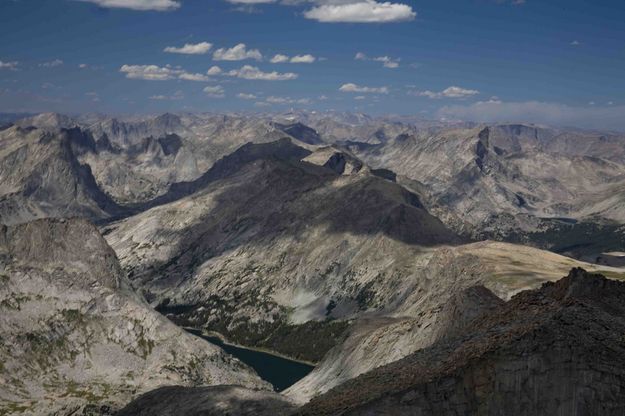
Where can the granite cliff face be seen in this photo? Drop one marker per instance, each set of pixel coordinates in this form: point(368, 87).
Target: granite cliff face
point(554, 350)
point(74, 334)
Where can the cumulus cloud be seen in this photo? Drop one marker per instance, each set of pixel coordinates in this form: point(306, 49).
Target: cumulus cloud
point(142, 5)
point(158, 73)
point(245, 96)
point(594, 117)
point(279, 58)
point(450, 92)
point(216, 91)
point(387, 61)
point(51, 64)
point(12, 65)
point(191, 48)
point(237, 53)
point(364, 11)
point(297, 59)
point(350, 87)
point(303, 59)
point(150, 72)
point(193, 77)
point(214, 70)
point(253, 73)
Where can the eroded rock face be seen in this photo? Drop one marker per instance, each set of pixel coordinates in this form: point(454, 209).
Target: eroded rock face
point(555, 350)
point(74, 334)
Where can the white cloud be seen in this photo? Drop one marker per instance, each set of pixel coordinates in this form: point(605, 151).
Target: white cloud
point(297, 59)
point(150, 72)
point(193, 77)
point(364, 11)
point(359, 97)
point(51, 64)
point(575, 43)
point(245, 96)
point(158, 5)
point(279, 58)
point(350, 87)
point(237, 53)
point(450, 92)
point(253, 73)
point(387, 61)
point(158, 73)
point(214, 70)
point(250, 1)
point(83, 66)
point(214, 91)
point(594, 116)
point(191, 48)
point(303, 59)
point(12, 65)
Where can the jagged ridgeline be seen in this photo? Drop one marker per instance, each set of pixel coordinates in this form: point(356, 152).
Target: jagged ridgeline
point(385, 251)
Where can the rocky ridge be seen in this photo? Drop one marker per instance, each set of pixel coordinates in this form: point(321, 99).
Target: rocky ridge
point(554, 350)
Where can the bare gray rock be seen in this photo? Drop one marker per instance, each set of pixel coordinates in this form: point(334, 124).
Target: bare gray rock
point(73, 333)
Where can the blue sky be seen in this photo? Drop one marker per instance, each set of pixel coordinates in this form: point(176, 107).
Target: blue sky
point(555, 62)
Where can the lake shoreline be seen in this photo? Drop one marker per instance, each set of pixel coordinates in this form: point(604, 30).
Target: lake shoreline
point(223, 339)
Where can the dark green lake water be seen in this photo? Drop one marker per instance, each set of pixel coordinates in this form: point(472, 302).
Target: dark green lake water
point(280, 372)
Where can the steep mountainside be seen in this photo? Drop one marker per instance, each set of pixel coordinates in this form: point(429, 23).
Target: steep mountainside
point(40, 176)
point(75, 334)
point(555, 350)
point(269, 239)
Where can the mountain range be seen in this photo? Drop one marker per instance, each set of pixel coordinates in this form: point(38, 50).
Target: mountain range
point(416, 264)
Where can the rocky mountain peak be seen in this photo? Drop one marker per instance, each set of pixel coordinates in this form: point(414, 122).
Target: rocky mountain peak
point(49, 121)
point(340, 161)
